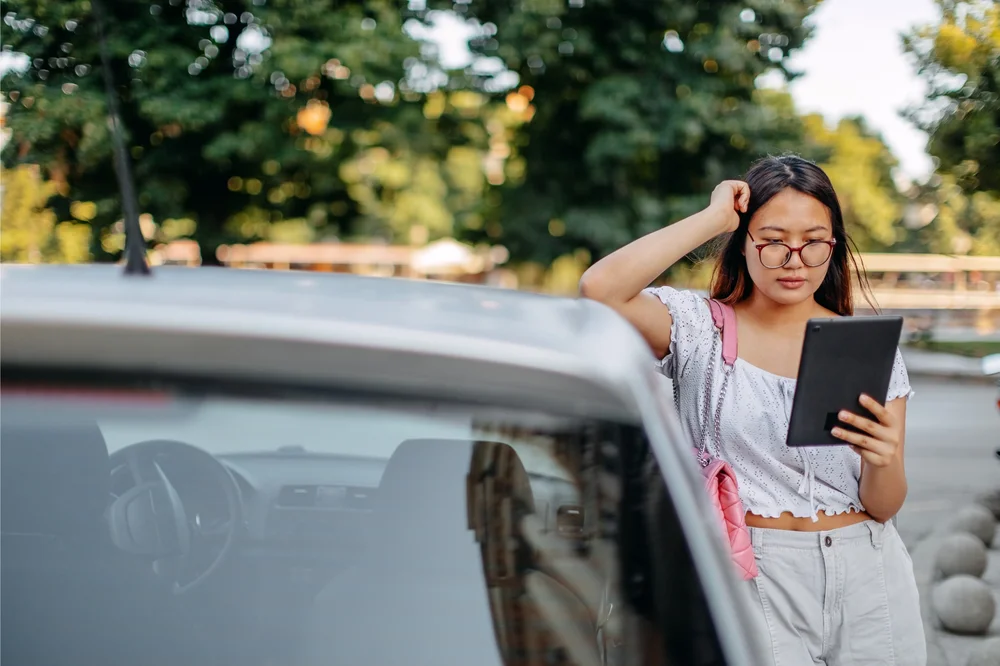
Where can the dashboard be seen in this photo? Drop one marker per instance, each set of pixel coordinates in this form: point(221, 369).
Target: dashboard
point(305, 520)
point(304, 505)
point(323, 499)
point(303, 497)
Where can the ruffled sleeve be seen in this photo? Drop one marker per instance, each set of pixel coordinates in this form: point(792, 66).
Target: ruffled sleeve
point(899, 383)
point(691, 329)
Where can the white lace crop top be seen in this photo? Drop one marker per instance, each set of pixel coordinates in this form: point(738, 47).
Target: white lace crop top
point(753, 421)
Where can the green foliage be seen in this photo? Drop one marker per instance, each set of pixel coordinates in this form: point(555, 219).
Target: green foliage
point(960, 58)
point(298, 121)
point(242, 114)
point(640, 109)
point(213, 93)
point(966, 222)
point(860, 166)
point(29, 232)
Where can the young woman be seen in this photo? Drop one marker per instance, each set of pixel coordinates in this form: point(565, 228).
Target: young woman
point(836, 584)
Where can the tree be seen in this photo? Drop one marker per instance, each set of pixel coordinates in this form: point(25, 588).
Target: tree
point(860, 166)
point(240, 114)
point(639, 109)
point(304, 119)
point(960, 59)
point(29, 232)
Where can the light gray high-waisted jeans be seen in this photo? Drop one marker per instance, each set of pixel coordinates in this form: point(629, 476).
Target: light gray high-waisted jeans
point(844, 597)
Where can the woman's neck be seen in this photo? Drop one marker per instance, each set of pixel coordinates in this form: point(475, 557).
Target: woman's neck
point(762, 309)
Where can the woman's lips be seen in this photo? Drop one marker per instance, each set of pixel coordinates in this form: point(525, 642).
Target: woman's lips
point(791, 283)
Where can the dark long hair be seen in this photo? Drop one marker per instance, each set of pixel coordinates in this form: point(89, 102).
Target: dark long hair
point(767, 177)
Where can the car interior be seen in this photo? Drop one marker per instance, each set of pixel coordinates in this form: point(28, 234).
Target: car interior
point(448, 553)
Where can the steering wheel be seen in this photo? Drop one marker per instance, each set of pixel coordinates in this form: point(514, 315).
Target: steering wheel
point(150, 520)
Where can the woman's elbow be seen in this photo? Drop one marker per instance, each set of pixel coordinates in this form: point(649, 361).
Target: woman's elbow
point(593, 286)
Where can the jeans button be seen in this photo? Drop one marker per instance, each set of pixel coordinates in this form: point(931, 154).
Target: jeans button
point(828, 541)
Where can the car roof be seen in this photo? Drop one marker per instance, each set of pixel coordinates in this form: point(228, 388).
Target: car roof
point(493, 314)
point(501, 327)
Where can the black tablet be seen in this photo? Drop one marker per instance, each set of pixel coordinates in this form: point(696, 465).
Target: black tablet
point(841, 359)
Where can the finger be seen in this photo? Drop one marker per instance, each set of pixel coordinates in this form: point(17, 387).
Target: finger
point(861, 440)
point(873, 428)
point(737, 189)
point(848, 436)
point(864, 454)
point(883, 415)
point(874, 459)
point(744, 196)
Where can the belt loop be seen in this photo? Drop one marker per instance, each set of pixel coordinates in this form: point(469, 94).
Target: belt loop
point(877, 531)
point(756, 537)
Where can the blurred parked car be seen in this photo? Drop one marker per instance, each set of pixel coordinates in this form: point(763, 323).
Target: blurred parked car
point(211, 466)
point(991, 368)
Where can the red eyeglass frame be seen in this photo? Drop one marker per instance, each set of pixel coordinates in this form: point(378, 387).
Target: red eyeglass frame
point(792, 250)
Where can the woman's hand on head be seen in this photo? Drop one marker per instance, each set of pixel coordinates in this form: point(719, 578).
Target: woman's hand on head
point(729, 199)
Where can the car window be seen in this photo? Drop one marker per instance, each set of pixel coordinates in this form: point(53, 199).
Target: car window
point(148, 524)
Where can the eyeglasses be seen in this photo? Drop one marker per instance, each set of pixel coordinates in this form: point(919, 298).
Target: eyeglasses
point(776, 255)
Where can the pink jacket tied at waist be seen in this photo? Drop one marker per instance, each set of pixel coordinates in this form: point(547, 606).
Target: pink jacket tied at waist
point(720, 480)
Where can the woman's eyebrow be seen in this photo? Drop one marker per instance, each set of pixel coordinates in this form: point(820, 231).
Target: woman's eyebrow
point(810, 230)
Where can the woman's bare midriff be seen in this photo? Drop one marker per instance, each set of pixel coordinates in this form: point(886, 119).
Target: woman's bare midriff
point(787, 521)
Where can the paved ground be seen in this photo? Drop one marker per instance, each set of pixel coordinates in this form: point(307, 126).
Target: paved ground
point(952, 429)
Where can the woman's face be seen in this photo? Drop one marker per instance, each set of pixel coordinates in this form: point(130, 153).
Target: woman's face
point(798, 221)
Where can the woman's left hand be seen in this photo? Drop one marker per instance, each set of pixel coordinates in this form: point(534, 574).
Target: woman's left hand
point(879, 441)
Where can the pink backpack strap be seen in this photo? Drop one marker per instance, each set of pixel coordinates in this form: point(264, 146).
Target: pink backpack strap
point(725, 320)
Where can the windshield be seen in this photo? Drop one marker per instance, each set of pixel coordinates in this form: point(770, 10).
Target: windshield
point(176, 524)
point(227, 426)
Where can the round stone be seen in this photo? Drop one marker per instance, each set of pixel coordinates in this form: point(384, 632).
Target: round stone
point(986, 653)
point(961, 553)
point(976, 520)
point(992, 502)
point(964, 605)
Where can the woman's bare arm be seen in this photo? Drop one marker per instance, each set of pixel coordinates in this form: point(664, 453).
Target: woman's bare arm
point(618, 279)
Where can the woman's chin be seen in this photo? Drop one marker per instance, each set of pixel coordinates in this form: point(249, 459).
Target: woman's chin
point(789, 294)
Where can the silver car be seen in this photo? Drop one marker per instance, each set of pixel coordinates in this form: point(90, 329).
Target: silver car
point(211, 466)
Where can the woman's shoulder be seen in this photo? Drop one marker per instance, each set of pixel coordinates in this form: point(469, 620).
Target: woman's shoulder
point(685, 305)
point(686, 297)
point(691, 328)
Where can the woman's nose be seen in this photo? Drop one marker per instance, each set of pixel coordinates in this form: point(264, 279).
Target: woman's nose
point(795, 261)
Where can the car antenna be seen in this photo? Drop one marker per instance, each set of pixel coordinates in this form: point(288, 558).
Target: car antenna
point(135, 243)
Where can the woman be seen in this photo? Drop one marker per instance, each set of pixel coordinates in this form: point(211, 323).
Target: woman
point(836, 584)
